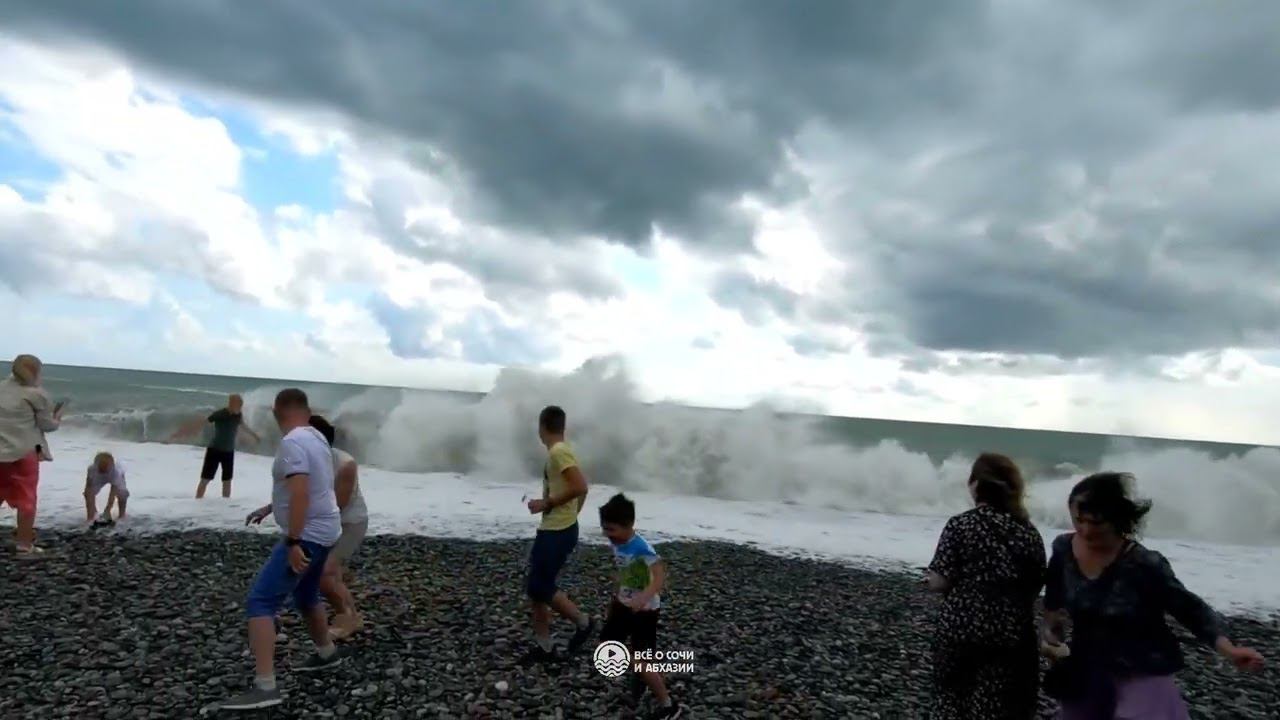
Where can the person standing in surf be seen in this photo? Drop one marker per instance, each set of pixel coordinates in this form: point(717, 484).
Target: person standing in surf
point(305, 508)
point(228, 423)
point(564, 491)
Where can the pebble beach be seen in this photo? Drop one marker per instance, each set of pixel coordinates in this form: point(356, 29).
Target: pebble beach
point(136, 626)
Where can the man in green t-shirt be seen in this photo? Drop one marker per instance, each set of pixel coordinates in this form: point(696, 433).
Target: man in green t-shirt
point(228, 423)
point(564, 491)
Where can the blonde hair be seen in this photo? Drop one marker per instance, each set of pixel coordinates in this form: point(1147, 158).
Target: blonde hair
point(26, 369)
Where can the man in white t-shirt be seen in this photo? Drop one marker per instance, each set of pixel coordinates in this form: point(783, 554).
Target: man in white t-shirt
point(103, 472)
point(306, 510)
point(355, 522)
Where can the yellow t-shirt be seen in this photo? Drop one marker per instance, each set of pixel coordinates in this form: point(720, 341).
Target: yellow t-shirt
point(559, 458)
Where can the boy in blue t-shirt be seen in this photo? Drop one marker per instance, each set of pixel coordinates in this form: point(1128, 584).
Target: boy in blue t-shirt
point(633, 612)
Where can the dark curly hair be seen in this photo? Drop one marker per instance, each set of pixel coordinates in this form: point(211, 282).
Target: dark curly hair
point(1105, 495)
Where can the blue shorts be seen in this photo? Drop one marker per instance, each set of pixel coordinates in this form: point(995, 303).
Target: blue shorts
point(276, 580)
point(551, 549)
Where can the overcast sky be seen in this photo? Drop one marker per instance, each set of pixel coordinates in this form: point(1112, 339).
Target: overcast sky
point(1014, 212)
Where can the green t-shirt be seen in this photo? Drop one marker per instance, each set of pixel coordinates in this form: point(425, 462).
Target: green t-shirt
point(225, 426)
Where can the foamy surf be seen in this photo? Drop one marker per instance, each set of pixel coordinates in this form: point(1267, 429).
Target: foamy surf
point(1235, 578)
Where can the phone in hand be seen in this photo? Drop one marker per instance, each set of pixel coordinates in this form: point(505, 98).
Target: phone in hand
point(57, 407)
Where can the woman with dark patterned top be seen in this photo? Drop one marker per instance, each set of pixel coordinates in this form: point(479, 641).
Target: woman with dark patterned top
point(1122, 655)
point(989, 566)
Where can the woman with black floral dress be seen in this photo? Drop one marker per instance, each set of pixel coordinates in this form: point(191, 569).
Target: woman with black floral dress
point(989, 566)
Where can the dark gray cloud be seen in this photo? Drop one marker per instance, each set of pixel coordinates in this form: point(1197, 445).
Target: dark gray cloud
point(947, 137)
point(755, 299)
point(1106, 193)
point(569, 117)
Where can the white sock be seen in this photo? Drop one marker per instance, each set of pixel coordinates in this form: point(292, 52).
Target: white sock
point(583, 621)
point(326, 651)
point(543, 642)
point(265, 682)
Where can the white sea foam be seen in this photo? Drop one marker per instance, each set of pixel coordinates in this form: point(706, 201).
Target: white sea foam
point(755, 454)
point(488, 505)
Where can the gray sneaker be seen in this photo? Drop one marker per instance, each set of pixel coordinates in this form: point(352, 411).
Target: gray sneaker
point(315, 663)
point(253, 700)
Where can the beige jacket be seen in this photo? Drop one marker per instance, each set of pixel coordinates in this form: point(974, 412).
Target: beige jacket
point(26, 414)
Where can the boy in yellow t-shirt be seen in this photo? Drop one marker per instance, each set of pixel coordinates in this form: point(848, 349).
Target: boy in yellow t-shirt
point(564, 490)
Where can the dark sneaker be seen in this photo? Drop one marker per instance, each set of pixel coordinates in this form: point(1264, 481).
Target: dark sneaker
point(670, 712)
point(315, 663)
point(584, 634)
point(537, 655)
point(253, 700)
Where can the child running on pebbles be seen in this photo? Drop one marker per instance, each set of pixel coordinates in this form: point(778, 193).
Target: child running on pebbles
point(103, 472)
point(633, 612)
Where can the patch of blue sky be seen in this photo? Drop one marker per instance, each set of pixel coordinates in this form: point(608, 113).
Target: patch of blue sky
point(273, 173)
point(21, 166)
point(638, 271)
point(350, 292)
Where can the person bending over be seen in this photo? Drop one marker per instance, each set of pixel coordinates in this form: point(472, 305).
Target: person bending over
point(105, 471)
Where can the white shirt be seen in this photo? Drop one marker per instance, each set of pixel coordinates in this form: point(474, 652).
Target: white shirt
point(304, 452)
point(355, 511)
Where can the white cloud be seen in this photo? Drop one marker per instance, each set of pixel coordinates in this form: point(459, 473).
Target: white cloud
point(150, 191)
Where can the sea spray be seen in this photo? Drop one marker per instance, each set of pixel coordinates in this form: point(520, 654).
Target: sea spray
point(758, 453)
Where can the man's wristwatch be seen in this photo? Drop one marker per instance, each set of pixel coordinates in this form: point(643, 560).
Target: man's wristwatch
point(291, 541)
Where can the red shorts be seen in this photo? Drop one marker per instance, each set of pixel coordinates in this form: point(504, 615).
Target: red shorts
point(18, 481)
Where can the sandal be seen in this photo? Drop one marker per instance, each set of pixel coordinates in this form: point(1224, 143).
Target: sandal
point(30, 552)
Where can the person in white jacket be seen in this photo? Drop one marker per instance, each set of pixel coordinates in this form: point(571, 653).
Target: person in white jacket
point(26, 414)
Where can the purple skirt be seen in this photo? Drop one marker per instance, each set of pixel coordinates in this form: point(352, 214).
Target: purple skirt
point(1151, 697)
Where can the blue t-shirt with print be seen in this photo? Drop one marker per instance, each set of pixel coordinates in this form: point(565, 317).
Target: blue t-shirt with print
point(635, 558)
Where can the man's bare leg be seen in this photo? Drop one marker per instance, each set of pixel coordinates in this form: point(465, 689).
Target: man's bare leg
point(566, 609)
point(90, 505)
point(226, 488)
point(542, 625)
point(204, 485)
point(262, 643)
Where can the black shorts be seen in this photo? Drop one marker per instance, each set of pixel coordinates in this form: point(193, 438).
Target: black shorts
point(551, 549)
point(213, 459)
point(637, 629)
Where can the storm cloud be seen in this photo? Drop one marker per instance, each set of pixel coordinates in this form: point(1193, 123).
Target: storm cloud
point(1071, 180)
